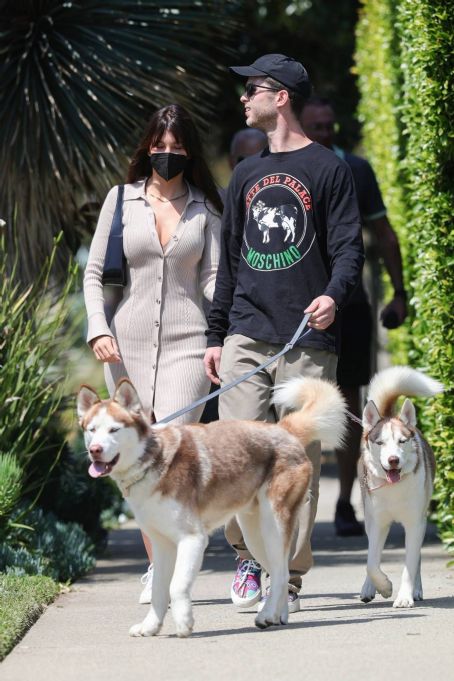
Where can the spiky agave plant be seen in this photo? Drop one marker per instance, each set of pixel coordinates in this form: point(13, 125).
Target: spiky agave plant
point(77, 80)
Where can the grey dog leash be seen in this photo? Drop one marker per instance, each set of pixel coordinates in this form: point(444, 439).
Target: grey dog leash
point(224, 388)
point(296, 336)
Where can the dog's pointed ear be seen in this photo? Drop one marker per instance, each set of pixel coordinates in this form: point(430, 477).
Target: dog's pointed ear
point(126, 396)
point(408, 413)
point(371, 416)
point(86, 398)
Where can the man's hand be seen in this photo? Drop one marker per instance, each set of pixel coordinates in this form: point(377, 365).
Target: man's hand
point(211, 361)
point(106, 349)
point(394, 313)
point(323, 311)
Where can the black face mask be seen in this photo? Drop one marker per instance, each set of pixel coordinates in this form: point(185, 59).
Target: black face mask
point(168, 165)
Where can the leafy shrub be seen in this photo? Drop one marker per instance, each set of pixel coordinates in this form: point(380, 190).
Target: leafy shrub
point(43, 545)
point(10, 485)
point(37, 466)
point(33, 339)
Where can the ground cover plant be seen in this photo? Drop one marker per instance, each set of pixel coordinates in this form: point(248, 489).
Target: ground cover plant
point(22, 600)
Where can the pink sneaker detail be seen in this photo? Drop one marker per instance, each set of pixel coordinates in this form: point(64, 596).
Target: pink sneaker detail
point(246, 588)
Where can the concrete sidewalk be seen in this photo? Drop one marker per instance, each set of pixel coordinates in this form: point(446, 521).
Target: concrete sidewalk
point(83, 636)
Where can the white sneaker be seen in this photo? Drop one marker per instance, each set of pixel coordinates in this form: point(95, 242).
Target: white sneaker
point(146, 579)
point(293, 602)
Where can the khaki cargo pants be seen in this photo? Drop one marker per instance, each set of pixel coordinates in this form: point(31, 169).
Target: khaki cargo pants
point(251, 400)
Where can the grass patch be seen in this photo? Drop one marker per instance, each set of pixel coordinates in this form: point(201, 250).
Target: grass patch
point(22, 600)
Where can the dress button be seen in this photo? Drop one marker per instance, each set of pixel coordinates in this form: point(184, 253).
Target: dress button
point(158, 301)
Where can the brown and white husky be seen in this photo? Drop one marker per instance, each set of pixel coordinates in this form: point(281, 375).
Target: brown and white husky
point(396, 472)
point(184, 481)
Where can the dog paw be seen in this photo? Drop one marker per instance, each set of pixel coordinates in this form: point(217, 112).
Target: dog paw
point(184, 627)
point(368, 591)
point(144, 629)
point(284, 615)
point(268, 619)
point(403, 600)
point(417, 595)
point(383, 586)
point(184, 630)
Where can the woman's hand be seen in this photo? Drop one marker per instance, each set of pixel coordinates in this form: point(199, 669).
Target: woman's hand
point(105, 349)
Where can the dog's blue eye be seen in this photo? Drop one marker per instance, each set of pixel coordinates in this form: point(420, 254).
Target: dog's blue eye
point(113, 430)
point(379, 442)
point(402, 440)
point(91, 429)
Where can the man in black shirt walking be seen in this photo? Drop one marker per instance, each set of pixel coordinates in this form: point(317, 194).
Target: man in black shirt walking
point(291, 244)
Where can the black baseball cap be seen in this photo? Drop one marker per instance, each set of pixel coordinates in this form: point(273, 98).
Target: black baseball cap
point(285, 70)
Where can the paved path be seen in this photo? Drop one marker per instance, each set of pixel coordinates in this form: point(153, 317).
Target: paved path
point(83, 636)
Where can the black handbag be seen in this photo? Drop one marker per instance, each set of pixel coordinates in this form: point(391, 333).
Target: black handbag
point(114, 271)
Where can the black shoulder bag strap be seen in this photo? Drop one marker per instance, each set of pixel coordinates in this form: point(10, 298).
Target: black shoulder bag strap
point(114, 272)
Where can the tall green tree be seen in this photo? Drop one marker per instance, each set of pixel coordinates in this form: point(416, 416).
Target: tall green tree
point(78, 80)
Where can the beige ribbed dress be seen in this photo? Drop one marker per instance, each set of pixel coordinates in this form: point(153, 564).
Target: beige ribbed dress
point(159, 324)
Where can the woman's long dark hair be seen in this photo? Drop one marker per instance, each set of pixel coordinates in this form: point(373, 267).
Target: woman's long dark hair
point(175, 119)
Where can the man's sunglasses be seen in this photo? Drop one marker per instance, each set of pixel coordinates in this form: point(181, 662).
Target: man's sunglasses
point(251, 88)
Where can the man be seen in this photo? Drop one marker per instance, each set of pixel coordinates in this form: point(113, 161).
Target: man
point(265, 286)
point(354, 366)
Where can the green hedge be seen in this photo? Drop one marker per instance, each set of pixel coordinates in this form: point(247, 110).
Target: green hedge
point(379, 80)
point(426, 33)
point(405, 69)
point(22, 600)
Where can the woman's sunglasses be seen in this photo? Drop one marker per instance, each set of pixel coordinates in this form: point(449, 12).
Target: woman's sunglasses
point(251, 88)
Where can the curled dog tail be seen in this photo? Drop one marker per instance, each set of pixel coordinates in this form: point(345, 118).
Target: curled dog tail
point(389, 384)
point(319, 410)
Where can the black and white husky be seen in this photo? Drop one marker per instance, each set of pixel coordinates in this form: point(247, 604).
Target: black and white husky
point(396, 472)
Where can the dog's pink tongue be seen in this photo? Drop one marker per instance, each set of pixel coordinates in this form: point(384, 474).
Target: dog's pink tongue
point(97, 469)
point(393, 476)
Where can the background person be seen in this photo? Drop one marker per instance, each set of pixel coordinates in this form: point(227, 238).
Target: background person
point(291, 243)
point(171, 232)
point(354, 367)
point(246, 142)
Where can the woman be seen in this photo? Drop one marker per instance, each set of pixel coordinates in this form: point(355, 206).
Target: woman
point(171, 235)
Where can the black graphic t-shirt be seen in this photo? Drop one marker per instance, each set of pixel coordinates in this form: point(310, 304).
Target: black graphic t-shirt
point(290, 232)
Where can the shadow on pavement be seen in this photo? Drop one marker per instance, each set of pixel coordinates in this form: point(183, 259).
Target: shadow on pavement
point(303, 625)
point(446, 603)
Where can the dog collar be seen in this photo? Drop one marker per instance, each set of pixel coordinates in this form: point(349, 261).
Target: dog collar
point(135, 474)
point(384, 484)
